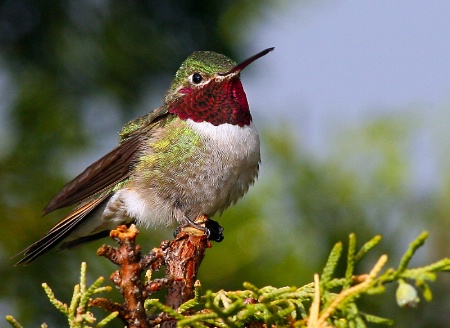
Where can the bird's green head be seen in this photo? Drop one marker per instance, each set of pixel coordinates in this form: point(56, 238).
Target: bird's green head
point(207, 88)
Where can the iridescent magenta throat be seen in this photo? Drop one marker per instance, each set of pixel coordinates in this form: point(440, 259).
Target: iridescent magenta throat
point(216, 103)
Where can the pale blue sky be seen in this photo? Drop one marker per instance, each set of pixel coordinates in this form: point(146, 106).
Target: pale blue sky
point(351, 55)
point(337, 64)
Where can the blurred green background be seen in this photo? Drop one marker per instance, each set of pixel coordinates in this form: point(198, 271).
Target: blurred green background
point(73, 72)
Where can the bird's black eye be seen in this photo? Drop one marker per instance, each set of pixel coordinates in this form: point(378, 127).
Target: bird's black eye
point(197, 78)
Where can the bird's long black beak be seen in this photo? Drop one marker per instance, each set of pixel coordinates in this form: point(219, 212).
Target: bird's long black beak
point(239, 67)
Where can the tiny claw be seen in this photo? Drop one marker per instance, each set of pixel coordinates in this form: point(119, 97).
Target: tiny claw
point(177, 231)
point(214, 231)
point(211, 228)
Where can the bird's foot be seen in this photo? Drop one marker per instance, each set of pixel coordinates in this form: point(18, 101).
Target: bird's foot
point(211, 228)
point(214, 230)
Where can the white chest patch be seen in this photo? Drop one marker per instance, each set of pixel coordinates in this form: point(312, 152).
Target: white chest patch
point(228, 138)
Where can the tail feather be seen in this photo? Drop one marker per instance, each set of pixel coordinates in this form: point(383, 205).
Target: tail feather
point(60, 231)
point(84, 239)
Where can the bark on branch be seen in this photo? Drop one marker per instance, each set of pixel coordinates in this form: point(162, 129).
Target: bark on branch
point(181, 257)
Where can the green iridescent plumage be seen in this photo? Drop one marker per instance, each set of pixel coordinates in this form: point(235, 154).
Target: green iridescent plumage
point(205, 62)
point(180, 144)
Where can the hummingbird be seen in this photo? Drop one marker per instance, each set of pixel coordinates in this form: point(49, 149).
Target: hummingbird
point(194, 156)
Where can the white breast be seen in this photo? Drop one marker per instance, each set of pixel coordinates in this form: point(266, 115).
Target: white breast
point(234, 162)
point(234, 141)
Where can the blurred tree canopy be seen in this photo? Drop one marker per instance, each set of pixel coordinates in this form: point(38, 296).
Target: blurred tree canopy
point(72, 72)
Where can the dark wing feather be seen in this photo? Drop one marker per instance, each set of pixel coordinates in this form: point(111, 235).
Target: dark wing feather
point(104, 173)
point(108, 170)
